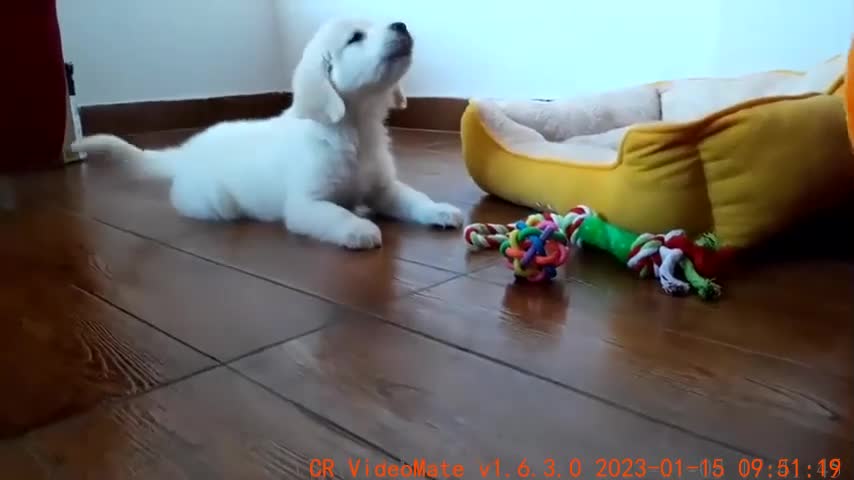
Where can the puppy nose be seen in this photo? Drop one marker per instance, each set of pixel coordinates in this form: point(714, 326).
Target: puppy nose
point(398, 27)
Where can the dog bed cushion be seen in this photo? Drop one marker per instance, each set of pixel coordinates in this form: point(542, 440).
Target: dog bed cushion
point(740, 157)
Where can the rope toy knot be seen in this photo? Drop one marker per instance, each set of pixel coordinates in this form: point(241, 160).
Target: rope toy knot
point(572, 223)
point(482, 236)
point(645, 254)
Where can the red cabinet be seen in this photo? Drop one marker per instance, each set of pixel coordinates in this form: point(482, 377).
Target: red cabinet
point(32, 87)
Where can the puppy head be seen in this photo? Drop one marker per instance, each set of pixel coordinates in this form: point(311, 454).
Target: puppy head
point(351, 62)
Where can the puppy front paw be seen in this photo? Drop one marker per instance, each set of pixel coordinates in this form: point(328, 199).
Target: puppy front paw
point(443, 215)
point(362, 234)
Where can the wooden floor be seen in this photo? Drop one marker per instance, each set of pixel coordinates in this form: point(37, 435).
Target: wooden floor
point(137, 344)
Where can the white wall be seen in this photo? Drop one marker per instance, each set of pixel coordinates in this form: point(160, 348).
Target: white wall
point(770, 34)
point(535, 48)
point(551, 48)
point(137, 50)
point(134, 50)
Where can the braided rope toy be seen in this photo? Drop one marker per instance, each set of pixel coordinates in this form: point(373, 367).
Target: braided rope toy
point(534, 248)
point(657, 255)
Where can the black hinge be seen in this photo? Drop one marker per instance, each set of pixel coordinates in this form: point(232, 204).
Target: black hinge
point(69, 79)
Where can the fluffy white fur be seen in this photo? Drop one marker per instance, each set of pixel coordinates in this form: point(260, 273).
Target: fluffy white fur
point(315, 164)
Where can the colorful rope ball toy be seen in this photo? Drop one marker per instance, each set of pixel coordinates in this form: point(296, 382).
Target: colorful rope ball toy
point(534, 248)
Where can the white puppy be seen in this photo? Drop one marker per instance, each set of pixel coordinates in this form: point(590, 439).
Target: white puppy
point(318, 161)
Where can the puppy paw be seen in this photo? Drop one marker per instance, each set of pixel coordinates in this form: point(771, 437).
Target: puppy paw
point(362, 234)
point(443, 215)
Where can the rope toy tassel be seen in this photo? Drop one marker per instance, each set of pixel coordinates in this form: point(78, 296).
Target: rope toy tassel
point(666, 272)
point(706, 289)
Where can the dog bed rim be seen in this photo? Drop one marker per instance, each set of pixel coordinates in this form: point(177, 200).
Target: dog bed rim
point(658, 127)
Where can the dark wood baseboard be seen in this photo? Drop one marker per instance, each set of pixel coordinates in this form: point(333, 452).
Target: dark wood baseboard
point(429, 113)
point(138, 117)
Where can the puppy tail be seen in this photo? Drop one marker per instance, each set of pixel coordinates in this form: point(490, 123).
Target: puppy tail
point(158, 163)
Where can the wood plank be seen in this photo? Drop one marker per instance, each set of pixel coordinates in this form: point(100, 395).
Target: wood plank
point(630, 351)
point(420, 399)
point(438, 173)
point(443, 249)
point(113, 194)
point(441, 173)
point(798, 310)
point(63, 351)
point(218, 310)
point(17, 463)
point(419, 141)
point(768, 370)
point(214, 426)
point(358, 279)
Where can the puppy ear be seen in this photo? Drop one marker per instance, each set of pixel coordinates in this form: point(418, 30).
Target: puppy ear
point(314, 95)
point(398, 98)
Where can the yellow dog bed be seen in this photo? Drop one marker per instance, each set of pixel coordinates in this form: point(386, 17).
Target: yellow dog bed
point(849, 93)
point(741, 157)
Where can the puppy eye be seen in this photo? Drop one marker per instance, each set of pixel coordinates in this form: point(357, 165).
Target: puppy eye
point(358, 36)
